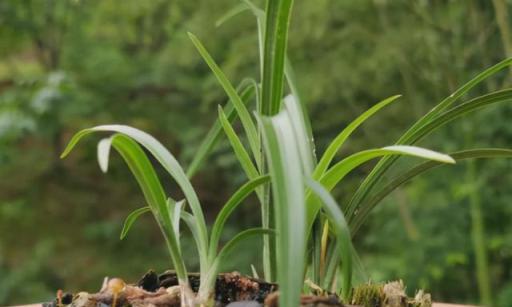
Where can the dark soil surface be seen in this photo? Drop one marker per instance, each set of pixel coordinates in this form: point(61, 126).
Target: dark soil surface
point(231, 290)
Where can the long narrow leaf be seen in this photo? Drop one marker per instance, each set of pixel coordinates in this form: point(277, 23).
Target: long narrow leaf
point(448, 101)
point(291, 80)
point(175, 214)
point(153, 192)
point(238, 147)
point(367, 206)
point(213, 135)
point(243, 113)
point(342, 231)
point(332, 261)
point(230, 206)
point(294, 112)
point(385, 163)
point(241, 237)
point(231, 13)
point(336, 173)
point(419, 133)
point(103, 153)
point(340, 139)
point(192, 226)
point(276, 34)
point(289, 205)
point(167, 160)
point(131, 218)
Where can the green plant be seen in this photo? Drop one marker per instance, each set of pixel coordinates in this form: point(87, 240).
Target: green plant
point(167, 212)
point(313, 233)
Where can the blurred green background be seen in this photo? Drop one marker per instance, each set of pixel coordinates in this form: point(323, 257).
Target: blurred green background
point(71, 64)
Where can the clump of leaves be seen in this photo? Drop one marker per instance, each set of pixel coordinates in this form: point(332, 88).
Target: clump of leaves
point(167, 211)
point(313, 232)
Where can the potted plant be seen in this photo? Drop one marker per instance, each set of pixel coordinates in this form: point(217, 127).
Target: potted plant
point(307, 237)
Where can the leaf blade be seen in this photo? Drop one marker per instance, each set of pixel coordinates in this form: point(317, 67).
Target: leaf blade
point(337, 172)
point(385, 163)
point(213, 135)
point(417, 170)
point(153, 192)
point(166, 159)
point(235, 200)
point(289, 204)
point(340, 139)
point(337, 219)
point(276, 33)
point(238, 147)
point(103, 153)
point(243, 113)
point(130, 219)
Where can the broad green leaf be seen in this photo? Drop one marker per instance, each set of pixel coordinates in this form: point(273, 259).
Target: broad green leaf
point(243, 113)
point(337, 172)
point(367, 206)
point(213, 135)
point(230, 206)
point(131, 218)
point(238, 147)
point(276, 34)
point(340, 139)
point(166, 159)
point(337, 219)
point(289, 204)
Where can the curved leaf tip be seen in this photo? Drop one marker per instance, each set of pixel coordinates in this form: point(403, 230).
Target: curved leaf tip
point(422, 153)
point(130, 219)
point(192, 36)
point(74, 140)
point(104, 152)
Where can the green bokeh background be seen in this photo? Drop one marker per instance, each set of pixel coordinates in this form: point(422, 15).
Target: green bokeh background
point(71, 64)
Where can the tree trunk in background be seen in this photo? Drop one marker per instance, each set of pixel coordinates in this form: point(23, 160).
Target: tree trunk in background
point(501, 12)
point(478, 237)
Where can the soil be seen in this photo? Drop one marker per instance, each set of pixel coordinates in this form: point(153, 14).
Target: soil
point(161, 290)
point(231, 290)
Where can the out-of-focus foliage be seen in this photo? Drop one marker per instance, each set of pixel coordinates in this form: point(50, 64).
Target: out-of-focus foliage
point(66, 65)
